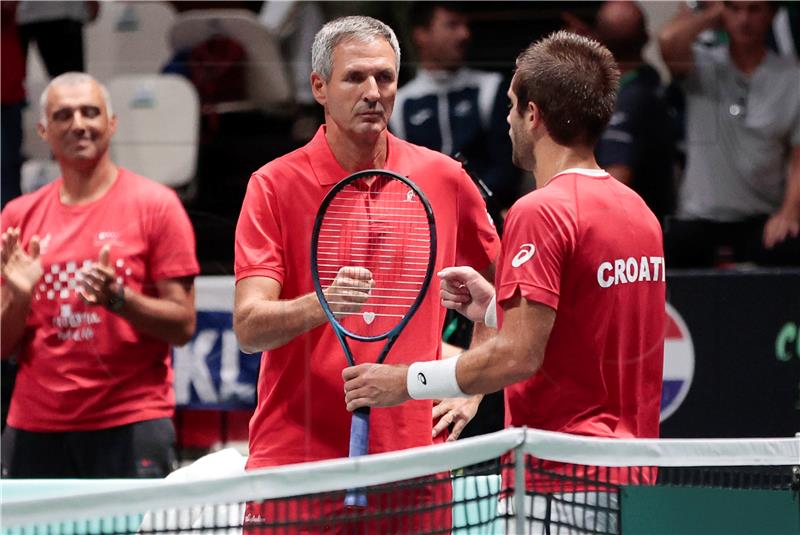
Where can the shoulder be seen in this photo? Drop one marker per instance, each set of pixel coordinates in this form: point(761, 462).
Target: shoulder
point(481, 77)
point(783, 68)
point(555, 200)
point(419, 159)
point(20, 206)
point(146, 191)
point(417, 87)
point(279, 170)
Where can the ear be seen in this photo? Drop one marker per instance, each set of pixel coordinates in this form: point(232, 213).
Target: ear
point(533, 116)
point(112, 124)
point(318, 88)
point(41, 130)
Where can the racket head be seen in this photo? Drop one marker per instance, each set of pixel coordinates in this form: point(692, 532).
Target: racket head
point(380, 221)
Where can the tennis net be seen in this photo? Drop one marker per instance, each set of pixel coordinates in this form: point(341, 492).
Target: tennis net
point(513, 481)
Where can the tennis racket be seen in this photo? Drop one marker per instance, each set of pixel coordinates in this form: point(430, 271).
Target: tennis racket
point(381, 222)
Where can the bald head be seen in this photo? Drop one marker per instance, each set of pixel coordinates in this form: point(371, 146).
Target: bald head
point(621, 27)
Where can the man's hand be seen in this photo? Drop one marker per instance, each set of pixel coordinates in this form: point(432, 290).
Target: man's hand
point(374, 385)
point(457, 412)
point(464, 290)
point(97, 282)
point(21, 270)
point(349, 290)
point(780, 226)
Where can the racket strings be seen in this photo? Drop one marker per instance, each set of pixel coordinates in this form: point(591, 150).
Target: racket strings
point(382, 226)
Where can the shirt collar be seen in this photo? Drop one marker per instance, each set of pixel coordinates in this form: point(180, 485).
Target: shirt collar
point(327, 169)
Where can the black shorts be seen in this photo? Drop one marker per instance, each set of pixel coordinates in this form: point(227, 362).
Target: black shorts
point(140, 449)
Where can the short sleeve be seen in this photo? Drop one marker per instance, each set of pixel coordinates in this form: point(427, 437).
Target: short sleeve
point(172, 242)
point(537, 240)
point(477, 244)
point(259, 241)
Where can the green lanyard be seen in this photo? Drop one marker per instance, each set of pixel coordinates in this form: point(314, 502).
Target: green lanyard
point(628, 77)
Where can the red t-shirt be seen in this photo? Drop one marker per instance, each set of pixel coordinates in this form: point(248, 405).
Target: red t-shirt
point(80, 366)
point(301, 414)
point(587, 246)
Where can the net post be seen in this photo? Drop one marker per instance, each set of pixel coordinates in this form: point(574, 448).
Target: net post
point(519, 485)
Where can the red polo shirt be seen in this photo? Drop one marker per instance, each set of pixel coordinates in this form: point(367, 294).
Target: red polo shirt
point(301, 414)
point(587, 246)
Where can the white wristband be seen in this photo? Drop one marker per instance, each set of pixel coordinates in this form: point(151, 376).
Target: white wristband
point(435, 379)
point(490, 317)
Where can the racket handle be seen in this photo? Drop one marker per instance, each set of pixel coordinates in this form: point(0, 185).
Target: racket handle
point(359, 444)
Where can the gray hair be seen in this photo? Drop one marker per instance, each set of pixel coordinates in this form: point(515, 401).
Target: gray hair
point(341, 29)
point(72, 78)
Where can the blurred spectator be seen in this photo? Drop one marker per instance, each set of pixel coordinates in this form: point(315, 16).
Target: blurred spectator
point(740, 196)
point(454, 109)
point(57, 30)
point(13, 101)
point(97, 282)
point(638, 147)
point(296, 24)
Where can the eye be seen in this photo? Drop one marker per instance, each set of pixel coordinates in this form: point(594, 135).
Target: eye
point(386, 77)
point(64, 114)
point(90, 112)
point(355, 77)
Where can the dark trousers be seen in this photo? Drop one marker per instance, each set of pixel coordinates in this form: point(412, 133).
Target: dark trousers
point(703, 243)
point(141, 449)
point(60, 44)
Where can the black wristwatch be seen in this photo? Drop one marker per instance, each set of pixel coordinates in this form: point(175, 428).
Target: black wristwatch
point(117, 300)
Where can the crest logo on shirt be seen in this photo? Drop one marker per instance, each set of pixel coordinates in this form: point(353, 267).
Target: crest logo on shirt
point(678, 363)
point(106, 235)
point(420, 117)
point(525, 253)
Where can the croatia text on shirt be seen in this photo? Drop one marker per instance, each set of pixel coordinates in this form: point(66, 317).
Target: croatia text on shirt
point(626, 270)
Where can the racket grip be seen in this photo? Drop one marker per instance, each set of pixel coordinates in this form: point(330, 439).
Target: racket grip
point(359, 444)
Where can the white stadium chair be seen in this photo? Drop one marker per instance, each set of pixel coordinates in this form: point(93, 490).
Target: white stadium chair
point(158, 125)
point(128, 38)
point(267, 81)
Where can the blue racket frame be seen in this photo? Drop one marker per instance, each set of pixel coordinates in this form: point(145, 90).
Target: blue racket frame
point(359, 424)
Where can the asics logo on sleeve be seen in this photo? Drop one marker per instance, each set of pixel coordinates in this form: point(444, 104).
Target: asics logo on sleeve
point(525, 253)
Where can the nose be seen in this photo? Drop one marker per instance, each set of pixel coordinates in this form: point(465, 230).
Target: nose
point(371, 91)
point(78, 121)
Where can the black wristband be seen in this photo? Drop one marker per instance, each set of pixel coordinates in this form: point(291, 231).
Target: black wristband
point(117, 300)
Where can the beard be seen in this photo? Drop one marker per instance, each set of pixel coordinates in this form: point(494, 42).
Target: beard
point(522, 154)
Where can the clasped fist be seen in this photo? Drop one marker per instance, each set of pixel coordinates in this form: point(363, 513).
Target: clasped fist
point(349, 291)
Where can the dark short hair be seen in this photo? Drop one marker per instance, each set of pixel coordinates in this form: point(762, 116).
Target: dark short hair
point(420, 15)
point(573, 81)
